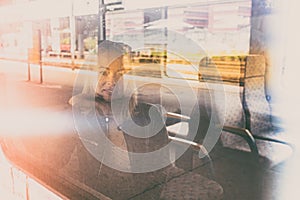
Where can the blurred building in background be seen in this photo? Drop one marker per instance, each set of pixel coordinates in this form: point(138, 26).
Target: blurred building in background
point(69, 28)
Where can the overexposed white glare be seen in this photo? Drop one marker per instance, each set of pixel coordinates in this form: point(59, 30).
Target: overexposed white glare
point(40, 9)
point(44, 9)
point(139, 4)
point(288, 82)
point(288, 186)
point(25, 122)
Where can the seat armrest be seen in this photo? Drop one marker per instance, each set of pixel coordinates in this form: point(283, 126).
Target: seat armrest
point(196, 146)
point(236, 130)
point(181, 117)
point(247, 135)
point(201, 150)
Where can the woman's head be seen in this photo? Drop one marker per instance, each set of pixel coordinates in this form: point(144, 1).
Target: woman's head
point(107, 82)
point(110, 56)
point(111, 62)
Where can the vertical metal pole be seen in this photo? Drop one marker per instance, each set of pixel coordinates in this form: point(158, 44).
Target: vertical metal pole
point(73, 34)
point(101, 22)
point(41, 72)
point(28, 69)
point(165, 53)
point(40, 55)
point(101, 26)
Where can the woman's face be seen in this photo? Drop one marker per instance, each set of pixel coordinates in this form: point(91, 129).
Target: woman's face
point(107, 82)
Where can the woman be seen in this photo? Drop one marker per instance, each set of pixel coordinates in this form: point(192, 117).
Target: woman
point(103, 152)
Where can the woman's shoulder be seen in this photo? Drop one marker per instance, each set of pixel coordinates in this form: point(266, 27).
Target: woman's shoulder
point(143, 112)
point(81, 99)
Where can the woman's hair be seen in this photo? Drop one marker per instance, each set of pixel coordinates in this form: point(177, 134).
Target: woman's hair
point(111, 63)
point(110, 60)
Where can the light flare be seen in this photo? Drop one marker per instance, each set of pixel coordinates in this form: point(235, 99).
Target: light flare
point(35, 122)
